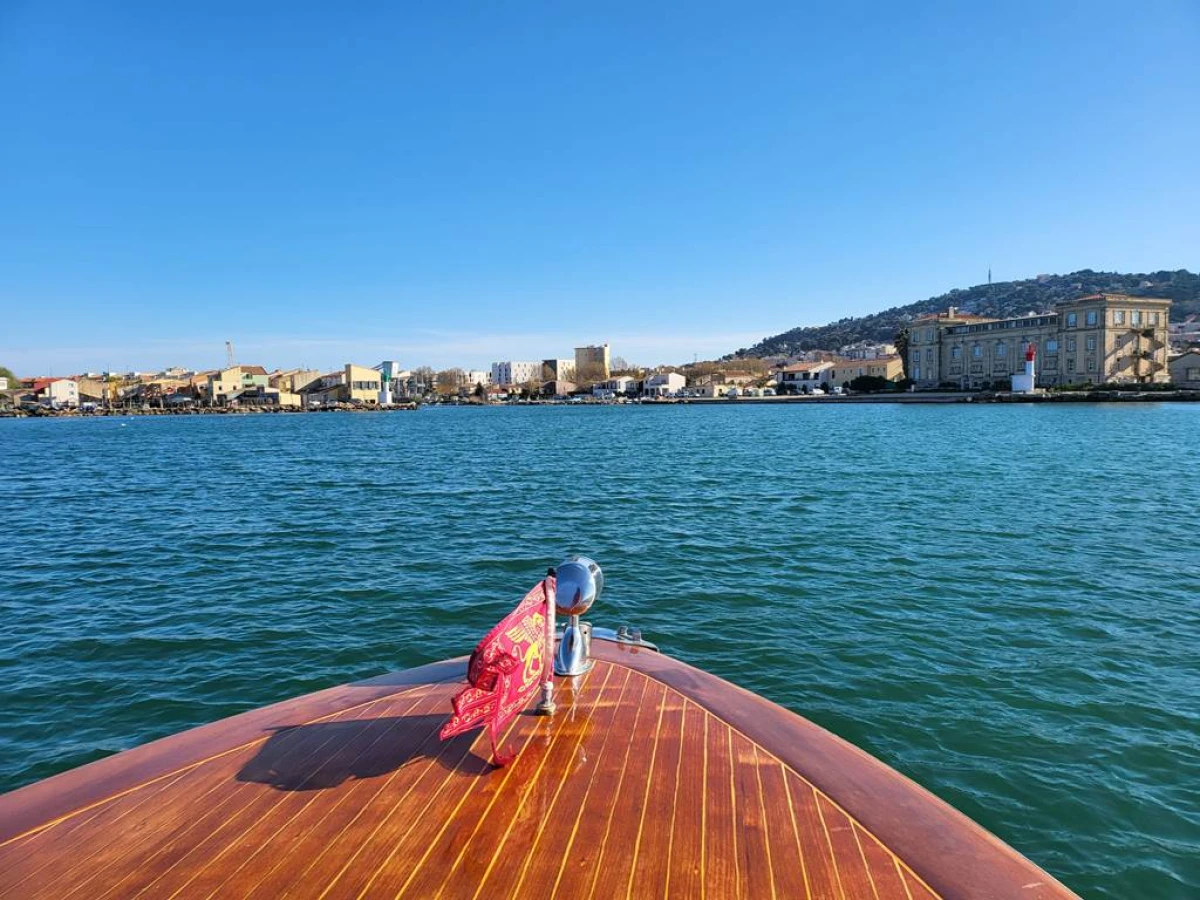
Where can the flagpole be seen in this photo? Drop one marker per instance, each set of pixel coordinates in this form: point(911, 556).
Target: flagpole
point(546, 705)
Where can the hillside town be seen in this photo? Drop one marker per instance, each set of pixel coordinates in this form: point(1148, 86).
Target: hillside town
point(1103, 339)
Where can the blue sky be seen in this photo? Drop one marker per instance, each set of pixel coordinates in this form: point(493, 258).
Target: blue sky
point(453, 183)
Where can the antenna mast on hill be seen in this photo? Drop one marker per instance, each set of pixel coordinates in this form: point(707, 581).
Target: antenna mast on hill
point(229, 354)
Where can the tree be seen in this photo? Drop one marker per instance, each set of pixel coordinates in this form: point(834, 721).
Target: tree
point(480, 393)
point(423, 379)
point(901, 342)
point(587, 375)
point(13, 380)
point(869, 384)
point(450, 380)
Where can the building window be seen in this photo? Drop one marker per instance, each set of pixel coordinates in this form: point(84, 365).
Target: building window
point(956, 352)
point(917, 373)
point(1091, 317)
point(977, 351)
point(1153, 318)
point(1118, 317)
point(1135, 317)
point(1070, 363)
point(929, 355)
point(1002, 349)
point(1091, 343)
point(1051, 346)
point(1072, 320)
point(929, 335)
point(1091, 363)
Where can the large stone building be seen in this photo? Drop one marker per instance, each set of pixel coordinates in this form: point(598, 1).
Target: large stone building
point(1095, 339)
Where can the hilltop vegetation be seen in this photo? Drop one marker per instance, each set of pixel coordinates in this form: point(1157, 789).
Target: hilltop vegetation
point(1000, 300)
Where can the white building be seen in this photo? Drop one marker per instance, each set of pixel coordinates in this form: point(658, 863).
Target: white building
point(665, 384)
point(622, 384)
point(804, 376)
point(478, 376)
point(60, 393)
point(516, 372)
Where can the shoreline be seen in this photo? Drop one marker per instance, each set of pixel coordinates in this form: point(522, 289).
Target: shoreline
point(924, 398)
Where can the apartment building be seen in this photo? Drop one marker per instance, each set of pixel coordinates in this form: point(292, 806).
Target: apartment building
point(516, 372)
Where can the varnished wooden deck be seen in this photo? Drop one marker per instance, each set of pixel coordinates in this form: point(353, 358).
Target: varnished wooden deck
point(653, 780)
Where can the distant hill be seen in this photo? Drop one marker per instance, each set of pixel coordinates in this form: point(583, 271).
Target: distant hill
point(1000, 300)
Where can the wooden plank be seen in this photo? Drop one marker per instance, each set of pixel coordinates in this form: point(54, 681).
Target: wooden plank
point(754, 833)
point(787, 865)
point(617, 849)
point(539, 827)
point(686, 876)
point(882, 865)
point(720, 816)
point(580, 857)
point(652, 848)
point(820, 872)
point(847, 857)
point(553, 845)
point(917, 889)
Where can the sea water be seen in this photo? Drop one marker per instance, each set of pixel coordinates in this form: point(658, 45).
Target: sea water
point(1002, 602)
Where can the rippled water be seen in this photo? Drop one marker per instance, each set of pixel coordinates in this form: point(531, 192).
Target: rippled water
point(1002, 602)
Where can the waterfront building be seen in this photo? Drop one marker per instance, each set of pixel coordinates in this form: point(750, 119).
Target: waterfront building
point(352, 384)
point(845, 371)
point(593, 361)
point(293, 381)
point(804, 376)
point(1185, 370)
point(477, 377)
point(622, 384)
point(1095, 339)
point(220, 386)
point(664, 384)
point(60, 393)
point(516, 372)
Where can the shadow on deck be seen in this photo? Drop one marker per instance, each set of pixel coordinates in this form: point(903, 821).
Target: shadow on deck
point(325, 755)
